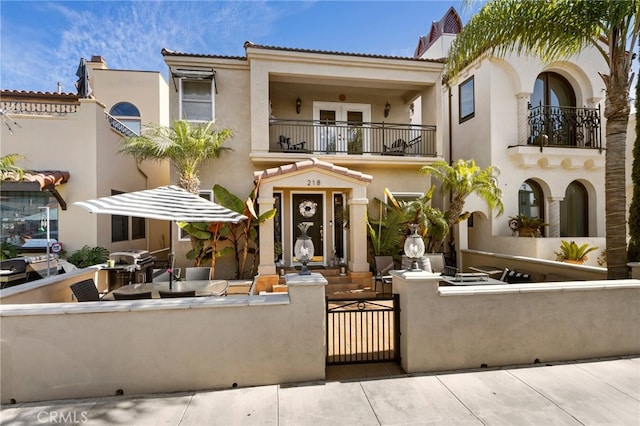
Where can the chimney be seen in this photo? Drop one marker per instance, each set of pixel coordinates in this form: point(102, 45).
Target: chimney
point(59, 88)
point(98, 62)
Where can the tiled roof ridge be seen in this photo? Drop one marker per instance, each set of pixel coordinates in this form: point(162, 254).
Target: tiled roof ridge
point(31, 93)
point(168, 52)
point(332, 52)
point(308, 164)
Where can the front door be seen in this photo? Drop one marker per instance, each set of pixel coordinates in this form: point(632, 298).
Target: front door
point(309, 208)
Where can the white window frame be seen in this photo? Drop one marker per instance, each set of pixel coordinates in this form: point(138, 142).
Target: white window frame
point(404, 195)
point(208, 195)
point(213, 100)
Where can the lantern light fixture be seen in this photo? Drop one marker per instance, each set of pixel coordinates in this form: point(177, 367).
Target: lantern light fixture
point(414, 247)
point(298, 105)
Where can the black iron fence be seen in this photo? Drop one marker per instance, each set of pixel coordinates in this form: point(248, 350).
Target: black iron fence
point(354, 138)
point(363, 330)
point(565, 127)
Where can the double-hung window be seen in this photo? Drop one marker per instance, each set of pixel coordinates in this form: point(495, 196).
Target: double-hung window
point(197, 101)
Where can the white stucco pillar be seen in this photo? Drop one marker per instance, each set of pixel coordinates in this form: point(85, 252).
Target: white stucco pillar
point(267, 264)
point(523, 117)
point(358, 234)
point(554, 216)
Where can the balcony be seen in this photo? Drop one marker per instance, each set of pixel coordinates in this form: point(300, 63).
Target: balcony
point(564, 137)
point(351, 138)
point(565, 127)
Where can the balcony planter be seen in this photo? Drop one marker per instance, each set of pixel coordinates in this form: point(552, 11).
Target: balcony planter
point(526, 226)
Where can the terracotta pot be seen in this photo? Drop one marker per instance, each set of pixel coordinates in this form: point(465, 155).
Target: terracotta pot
point(525, 231)
point(574, 261)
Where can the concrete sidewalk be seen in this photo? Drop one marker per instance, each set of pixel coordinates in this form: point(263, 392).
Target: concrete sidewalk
point(603, 392)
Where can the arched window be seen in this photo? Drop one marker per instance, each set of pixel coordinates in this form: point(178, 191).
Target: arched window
point(553, 113)
point(127, 114)
point(530, 200)
point(553, 90)
point(574, 211)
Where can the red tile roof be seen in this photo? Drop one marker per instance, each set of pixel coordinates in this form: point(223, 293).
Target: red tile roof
point(45, 178)
point(309, 164)
point(31, 95)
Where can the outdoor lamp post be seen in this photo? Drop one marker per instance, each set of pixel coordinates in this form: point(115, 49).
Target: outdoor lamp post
point(414, 247)
point(303, 249)
point(48, 225)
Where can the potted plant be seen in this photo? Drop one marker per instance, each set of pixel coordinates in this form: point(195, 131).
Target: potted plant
point(526, 226)
point(570, 252)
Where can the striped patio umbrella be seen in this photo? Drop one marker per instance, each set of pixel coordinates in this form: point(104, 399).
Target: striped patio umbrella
point(163, 203)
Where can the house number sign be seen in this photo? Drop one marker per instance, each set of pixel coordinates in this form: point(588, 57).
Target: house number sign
point(313, 182)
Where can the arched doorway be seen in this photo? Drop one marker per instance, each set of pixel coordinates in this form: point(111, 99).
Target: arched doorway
point(574, 218)
point(531, 201)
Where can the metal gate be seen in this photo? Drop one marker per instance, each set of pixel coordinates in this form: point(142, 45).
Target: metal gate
point(363, 330)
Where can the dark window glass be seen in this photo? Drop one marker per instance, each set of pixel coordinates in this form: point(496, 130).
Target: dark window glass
point(23, 217)
point(138, 228)
point(119, 228)
point(574, 211)
point(467, 100)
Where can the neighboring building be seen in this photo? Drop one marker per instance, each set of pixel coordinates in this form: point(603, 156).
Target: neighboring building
point(76, 141)
point(543, 126)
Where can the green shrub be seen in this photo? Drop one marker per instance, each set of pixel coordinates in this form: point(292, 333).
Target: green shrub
point(89, 256)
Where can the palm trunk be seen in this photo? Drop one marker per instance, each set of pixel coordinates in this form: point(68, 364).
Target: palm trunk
point(616, 112)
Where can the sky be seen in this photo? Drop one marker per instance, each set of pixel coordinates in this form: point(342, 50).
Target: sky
point(41, 42)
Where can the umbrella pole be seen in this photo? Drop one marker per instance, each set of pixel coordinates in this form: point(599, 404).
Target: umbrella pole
point(170, 257)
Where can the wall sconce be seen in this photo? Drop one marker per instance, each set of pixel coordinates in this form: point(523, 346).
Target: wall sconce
point(298, 105)
point(387, 108)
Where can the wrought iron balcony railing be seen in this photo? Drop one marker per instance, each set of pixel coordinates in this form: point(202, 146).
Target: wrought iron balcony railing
point(565, 127)
point(119, 126)
point(346, 137)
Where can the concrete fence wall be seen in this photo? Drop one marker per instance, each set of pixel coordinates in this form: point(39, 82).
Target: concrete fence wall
point(53, 289)
point(461, 327)
point(540, 269)
point(71, 350)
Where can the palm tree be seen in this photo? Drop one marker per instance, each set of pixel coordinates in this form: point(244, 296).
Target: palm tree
point(561, 28)
point(184, 144)
point(8, 167)
point(462, 179)
point(633, 252)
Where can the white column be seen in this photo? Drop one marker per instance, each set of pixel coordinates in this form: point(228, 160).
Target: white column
point(267, 264)
point(358, 234)
point(554, 216)
point(523, 117)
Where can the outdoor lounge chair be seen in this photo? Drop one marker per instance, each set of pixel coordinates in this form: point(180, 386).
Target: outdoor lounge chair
point(169, 294)
point(132, 296)
point(197, 273)
point(86, 291)
point(396, 148)
point(383, 265)
point(162, 276)
point(512, 276)
point(286, 145)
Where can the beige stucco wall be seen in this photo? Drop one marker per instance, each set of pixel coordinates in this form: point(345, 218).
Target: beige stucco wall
point(445, 328)
point(154, 346)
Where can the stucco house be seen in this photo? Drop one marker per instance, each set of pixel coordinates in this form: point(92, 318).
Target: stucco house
point(74, 139)
point(327, 130)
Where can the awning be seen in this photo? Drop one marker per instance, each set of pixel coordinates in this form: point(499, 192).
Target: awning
point(45, 180)
point(194, 74)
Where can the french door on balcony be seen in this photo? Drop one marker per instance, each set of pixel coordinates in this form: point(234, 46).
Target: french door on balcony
point(341, 127)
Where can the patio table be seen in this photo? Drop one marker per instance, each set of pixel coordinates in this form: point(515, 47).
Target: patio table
point(202, 288)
